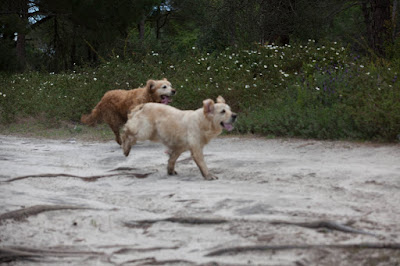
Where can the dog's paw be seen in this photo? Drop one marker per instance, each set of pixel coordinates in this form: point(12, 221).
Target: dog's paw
point(126, 152)
point(210, 177)
point(173, 172)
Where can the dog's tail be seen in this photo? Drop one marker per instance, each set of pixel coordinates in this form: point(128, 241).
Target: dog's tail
point(92, 118)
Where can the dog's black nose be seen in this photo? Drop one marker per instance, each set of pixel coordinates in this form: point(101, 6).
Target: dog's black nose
point(173, 92)
point(234, 117)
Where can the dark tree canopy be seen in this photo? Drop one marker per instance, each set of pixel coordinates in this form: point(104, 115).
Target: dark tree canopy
point(56, 34)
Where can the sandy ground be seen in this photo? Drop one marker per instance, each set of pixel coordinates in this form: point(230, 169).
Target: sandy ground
point(264, 185)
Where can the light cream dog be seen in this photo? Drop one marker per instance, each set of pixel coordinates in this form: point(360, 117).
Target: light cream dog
point(178, 130)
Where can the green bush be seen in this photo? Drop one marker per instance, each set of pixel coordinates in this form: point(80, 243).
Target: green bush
point(304, 90)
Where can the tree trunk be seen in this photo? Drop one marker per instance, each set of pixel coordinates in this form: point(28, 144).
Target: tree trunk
point(21, 53)
point(365, 7)
point(21, 40)
point(158, 23)
point(377, 19)
point(231, 18)
point(394, 19)
point(141, 29)
point(73, 46)
point(380, 26)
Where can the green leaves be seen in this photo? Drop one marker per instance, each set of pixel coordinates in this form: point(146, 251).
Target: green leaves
point(277, 90)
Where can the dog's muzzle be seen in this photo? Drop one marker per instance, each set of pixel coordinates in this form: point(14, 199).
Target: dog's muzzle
point(228, 126)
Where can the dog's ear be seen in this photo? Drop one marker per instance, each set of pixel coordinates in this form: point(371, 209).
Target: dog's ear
point(165, 79)
point(150, 85)
point(220, 99)
point(208, 107)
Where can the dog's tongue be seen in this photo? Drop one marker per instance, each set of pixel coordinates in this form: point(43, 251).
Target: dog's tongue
point(228, 127)
point(165, 100)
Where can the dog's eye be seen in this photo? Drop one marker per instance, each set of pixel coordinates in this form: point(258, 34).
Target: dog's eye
point(223, 111)
point(164, 87)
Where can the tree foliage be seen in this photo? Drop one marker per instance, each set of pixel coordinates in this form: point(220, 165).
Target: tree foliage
point(55, 35)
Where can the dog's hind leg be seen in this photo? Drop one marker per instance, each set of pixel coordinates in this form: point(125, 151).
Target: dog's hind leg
point(173, 156)
point(115, 121)
point(115, 129)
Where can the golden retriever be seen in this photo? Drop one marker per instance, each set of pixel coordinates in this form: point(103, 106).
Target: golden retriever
point(178, 130)
point(115, 105)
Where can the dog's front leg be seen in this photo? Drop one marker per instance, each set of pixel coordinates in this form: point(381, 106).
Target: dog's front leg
point(198, 157)
point(173, 156)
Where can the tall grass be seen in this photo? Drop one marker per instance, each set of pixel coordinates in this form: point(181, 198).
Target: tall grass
point(304, 90)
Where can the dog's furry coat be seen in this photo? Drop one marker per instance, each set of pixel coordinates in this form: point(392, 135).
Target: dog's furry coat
point(115, 105)
point(178, 130)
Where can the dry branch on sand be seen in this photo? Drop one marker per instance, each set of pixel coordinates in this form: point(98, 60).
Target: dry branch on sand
point(85, 178)
point(262, 248)
point(12, 253)
point(30, 211)
point(326, 224)
point(181, 220)
point(331, 225)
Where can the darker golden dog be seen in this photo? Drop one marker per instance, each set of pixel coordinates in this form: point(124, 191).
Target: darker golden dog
point(115, 105)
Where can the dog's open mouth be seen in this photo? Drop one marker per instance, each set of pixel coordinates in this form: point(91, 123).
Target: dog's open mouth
point(227, 126)
point(165, 99)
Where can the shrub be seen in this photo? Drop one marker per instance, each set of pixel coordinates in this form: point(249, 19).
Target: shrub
point(307, 90)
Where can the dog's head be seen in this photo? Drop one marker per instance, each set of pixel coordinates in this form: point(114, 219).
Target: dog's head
point(219, 113)
point(160, 90)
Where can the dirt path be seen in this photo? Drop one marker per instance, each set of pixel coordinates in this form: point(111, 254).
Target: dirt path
point(277, 202)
